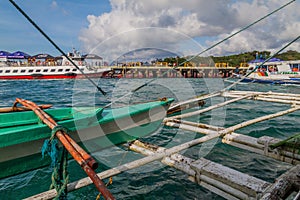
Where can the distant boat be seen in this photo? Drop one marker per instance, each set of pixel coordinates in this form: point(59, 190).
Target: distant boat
point(19, 65)
point(22, 134)
point(274, 71)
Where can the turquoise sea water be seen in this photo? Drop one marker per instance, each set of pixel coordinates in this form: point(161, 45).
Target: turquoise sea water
point(154, 181)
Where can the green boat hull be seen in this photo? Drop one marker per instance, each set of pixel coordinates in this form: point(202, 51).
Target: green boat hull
point(23, 134)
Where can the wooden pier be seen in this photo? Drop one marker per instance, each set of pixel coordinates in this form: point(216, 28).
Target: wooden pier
point(224, 181)
point(169, 72)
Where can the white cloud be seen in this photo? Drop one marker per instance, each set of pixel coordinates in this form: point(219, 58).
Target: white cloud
point(53, 5)
point(270, 34)
point(126, 27)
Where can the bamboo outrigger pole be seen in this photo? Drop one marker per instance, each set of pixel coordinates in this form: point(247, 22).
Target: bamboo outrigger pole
point(19, 109)
point(190, 114)
point(83, 159)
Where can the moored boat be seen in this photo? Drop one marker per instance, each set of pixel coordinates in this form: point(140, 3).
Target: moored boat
point(19, 65)
point(274, 71)
point(22, 133)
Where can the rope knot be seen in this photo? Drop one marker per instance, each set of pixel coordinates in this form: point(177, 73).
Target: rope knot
point(56, 129)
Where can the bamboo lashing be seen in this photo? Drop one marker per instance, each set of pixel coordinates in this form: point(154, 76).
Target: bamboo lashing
point(82, 158)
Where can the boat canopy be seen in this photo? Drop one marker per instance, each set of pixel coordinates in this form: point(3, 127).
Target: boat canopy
point(42, 56)
point(18, 55)
point(23, 55)
point(4, 54)
point(260, 60)
point(92, 56)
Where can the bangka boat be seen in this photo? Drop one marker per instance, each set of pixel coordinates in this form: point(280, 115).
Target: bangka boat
point(22, 133)
point(273, 72)
point(20, 65)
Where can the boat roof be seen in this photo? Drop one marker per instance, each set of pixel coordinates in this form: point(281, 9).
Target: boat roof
point(4, 54)
point(92, 56)
point(18, 55)
point(42, 56)
point(260, 60)
point(23, 55)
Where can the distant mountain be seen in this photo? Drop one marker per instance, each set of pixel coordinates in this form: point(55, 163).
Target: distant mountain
point(289, 55)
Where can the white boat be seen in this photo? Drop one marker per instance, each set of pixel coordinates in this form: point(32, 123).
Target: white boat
point(43, 66)
point(274, 71)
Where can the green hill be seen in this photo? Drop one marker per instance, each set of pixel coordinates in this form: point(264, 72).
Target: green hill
point(235, 60)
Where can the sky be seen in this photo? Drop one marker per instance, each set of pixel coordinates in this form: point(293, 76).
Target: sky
point(113, 28)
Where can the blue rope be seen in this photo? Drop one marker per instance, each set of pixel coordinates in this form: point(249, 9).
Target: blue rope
point(60, 176)
point(50, 146)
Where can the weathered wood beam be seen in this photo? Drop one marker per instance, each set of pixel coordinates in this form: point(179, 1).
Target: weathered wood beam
point(284, 185)
point(219, 179)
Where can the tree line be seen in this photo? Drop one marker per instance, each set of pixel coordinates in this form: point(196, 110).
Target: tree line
point(236, 59)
